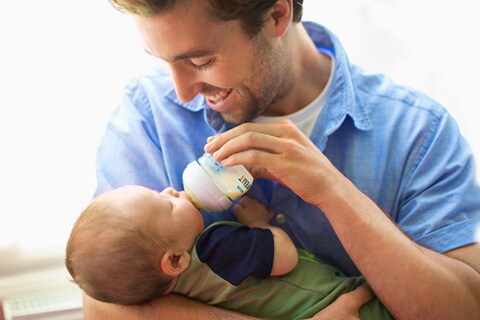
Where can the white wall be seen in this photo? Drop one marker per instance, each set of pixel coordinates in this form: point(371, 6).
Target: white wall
point(63, 65)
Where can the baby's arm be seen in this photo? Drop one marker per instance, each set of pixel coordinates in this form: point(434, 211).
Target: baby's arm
point(255, 215)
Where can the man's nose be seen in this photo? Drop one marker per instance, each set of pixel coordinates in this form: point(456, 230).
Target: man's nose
point(187, 84)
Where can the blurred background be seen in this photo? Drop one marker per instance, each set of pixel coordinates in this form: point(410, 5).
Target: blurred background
point(63, 66)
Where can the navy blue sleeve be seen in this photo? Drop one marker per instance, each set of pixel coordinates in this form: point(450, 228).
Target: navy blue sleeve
point(236, 252)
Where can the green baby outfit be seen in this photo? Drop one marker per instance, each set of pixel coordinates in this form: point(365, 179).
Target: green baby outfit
point(300, 294)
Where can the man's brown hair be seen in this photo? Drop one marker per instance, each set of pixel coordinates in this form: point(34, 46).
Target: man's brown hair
point(250, 12)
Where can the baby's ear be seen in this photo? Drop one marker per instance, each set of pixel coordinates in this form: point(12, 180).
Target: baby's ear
point(173, 264)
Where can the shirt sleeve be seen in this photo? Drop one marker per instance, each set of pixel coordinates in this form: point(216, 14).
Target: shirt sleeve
point(236, 252)
point(441, 203)
point(129, 152)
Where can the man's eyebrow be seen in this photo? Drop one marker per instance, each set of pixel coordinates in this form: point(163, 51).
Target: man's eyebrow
point(187, 55)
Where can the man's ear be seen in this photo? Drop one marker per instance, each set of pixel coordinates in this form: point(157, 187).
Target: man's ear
point(173, 264)
point(280, 16)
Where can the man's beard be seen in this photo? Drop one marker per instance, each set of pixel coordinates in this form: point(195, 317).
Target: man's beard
point(251, 108)
point(272, 83)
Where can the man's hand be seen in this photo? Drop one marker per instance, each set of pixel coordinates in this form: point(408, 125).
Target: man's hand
point(170, 306)
point(250, 212)
point(281, 152)
point(347, 306)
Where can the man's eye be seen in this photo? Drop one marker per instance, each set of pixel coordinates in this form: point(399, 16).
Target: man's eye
point(201, 66)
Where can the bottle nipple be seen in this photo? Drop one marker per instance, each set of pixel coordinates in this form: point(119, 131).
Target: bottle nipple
point(197, 203)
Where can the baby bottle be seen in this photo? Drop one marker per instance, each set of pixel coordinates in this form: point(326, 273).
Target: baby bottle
point(213, 187)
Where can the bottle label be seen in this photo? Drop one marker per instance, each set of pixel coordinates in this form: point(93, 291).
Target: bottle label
point(212, 164)
point(234, 181)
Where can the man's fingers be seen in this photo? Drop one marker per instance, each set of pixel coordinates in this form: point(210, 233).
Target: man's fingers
point(347, 306)
point(362, 294)
point(250, 141)
point(274, 129)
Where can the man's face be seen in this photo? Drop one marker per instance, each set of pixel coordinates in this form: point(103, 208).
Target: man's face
point(239, 76)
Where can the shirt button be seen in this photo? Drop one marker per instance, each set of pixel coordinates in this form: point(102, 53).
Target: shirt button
point(280, 218)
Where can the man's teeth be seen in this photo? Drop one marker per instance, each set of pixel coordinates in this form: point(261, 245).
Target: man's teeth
point(219, 96)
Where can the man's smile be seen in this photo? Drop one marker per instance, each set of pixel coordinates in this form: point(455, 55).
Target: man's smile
point(215, 98)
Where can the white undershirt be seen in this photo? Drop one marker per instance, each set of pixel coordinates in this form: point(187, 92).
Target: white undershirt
point(305, 118)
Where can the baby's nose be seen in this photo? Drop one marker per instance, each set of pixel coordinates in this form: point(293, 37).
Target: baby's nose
point(172, 191)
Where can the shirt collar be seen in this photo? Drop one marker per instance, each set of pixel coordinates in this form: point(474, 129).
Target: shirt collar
point(342, 101)
point(196, 104)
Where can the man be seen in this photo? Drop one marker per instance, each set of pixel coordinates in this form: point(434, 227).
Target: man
point(369, 176)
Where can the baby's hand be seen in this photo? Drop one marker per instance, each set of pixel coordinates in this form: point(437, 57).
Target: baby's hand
point(250, 212)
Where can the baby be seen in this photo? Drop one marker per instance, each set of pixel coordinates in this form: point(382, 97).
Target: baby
point(134, 244)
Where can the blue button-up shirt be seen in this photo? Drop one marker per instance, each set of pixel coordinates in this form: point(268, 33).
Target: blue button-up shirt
point(398, 146)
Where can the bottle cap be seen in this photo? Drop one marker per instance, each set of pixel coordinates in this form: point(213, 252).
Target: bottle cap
point(205, 194)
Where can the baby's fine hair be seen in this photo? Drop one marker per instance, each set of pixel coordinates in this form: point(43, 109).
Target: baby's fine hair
point(114, 259)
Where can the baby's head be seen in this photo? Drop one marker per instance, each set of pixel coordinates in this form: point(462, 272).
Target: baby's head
point(131, 244)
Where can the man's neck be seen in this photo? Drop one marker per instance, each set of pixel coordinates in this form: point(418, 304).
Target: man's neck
point(310, 71)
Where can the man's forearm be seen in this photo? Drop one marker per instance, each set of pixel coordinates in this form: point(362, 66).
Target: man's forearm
point(413, 282)
point(171, 306)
